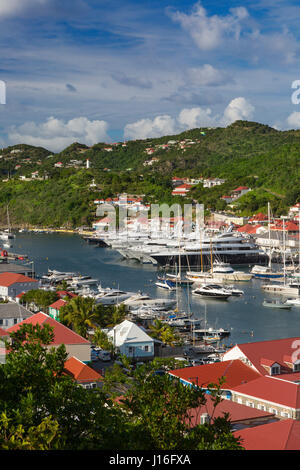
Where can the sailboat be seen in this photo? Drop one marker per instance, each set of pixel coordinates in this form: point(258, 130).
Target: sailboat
point(288, 286)
point(267, 272)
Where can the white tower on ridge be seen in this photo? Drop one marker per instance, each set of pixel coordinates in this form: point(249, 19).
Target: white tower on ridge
point(87, 164)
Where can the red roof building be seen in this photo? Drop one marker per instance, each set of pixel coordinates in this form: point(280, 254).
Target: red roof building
point(235, 373)
point(273, 394)
point(75, 344)
point(13, 284)
point(240, 416)
point(82, 373)
point(250, 229)
point(283, 352)
point(280, 435)
point(260, 217)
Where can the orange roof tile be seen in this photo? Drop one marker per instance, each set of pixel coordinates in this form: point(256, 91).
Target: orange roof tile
point(81, 372)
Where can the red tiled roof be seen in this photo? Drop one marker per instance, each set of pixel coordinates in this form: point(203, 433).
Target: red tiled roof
point(8, 279)
point(240, 188)
point(81, 372)
point(248, 228)
point(280, 435)
point(235, 373)
point(259, 217)
point(58, 304)
point(277, 350)
point(272, 389)
point(236, 411)
point(62, 334)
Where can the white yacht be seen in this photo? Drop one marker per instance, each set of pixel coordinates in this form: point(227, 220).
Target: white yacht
point(266, 272)
point(109, 296)
point(144, 300)
point(228, 247)
point(220, 272)
point(212, 291)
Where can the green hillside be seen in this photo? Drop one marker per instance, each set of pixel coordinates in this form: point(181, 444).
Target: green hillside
point(244, 153)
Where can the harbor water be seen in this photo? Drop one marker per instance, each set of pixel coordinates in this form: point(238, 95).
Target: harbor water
point(244, 316)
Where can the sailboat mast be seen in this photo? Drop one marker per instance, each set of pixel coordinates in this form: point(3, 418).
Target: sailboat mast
point(269, 229)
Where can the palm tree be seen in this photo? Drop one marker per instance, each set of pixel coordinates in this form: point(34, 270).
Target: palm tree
point(80, 315)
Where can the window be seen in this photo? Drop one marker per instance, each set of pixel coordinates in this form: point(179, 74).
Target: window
point(273, 410)
point(275, 370)
point(146, 348)
point(296, 366)
point(261, 407)
point(250, 403)
point(284, 414)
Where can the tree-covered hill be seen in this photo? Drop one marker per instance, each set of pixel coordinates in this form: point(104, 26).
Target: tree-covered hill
point(244, 153)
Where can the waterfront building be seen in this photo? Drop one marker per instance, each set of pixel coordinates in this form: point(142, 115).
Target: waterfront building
point(12, 284)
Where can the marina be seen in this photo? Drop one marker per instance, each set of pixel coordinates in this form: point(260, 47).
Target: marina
point(243, 316)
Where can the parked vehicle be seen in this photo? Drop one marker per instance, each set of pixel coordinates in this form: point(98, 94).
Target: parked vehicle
point(104, 356)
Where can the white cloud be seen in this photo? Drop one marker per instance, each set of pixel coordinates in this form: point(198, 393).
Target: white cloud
point(238, 108)
point(13, 7)
point(189, 118)
point(293, 120)
point(207, 75)
point(146, 128)
point(208, 31)
point(55, 134)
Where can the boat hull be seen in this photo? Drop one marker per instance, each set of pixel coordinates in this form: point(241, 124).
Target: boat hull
point(194, 260)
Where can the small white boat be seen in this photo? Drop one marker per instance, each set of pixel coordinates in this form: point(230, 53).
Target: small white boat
point(164, 284)
point(294, 302)
point(276, 304)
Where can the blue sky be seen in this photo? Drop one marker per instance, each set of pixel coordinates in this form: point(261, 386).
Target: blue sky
point(108, 70)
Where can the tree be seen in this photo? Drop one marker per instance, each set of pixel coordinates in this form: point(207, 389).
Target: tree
point(159, 411)
point(80, 314)
point(101, 339)
point(41, 298)
point(163, 332)
point(41, 407)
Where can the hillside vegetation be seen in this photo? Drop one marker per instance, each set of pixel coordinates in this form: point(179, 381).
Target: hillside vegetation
point(244, 153)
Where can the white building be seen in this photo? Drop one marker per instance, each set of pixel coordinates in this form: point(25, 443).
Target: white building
point(132, 341)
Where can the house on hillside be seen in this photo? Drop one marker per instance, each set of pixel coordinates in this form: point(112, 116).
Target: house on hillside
point(75, 344)
point(132, 341)
point(182, 190)
point(83, 374)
